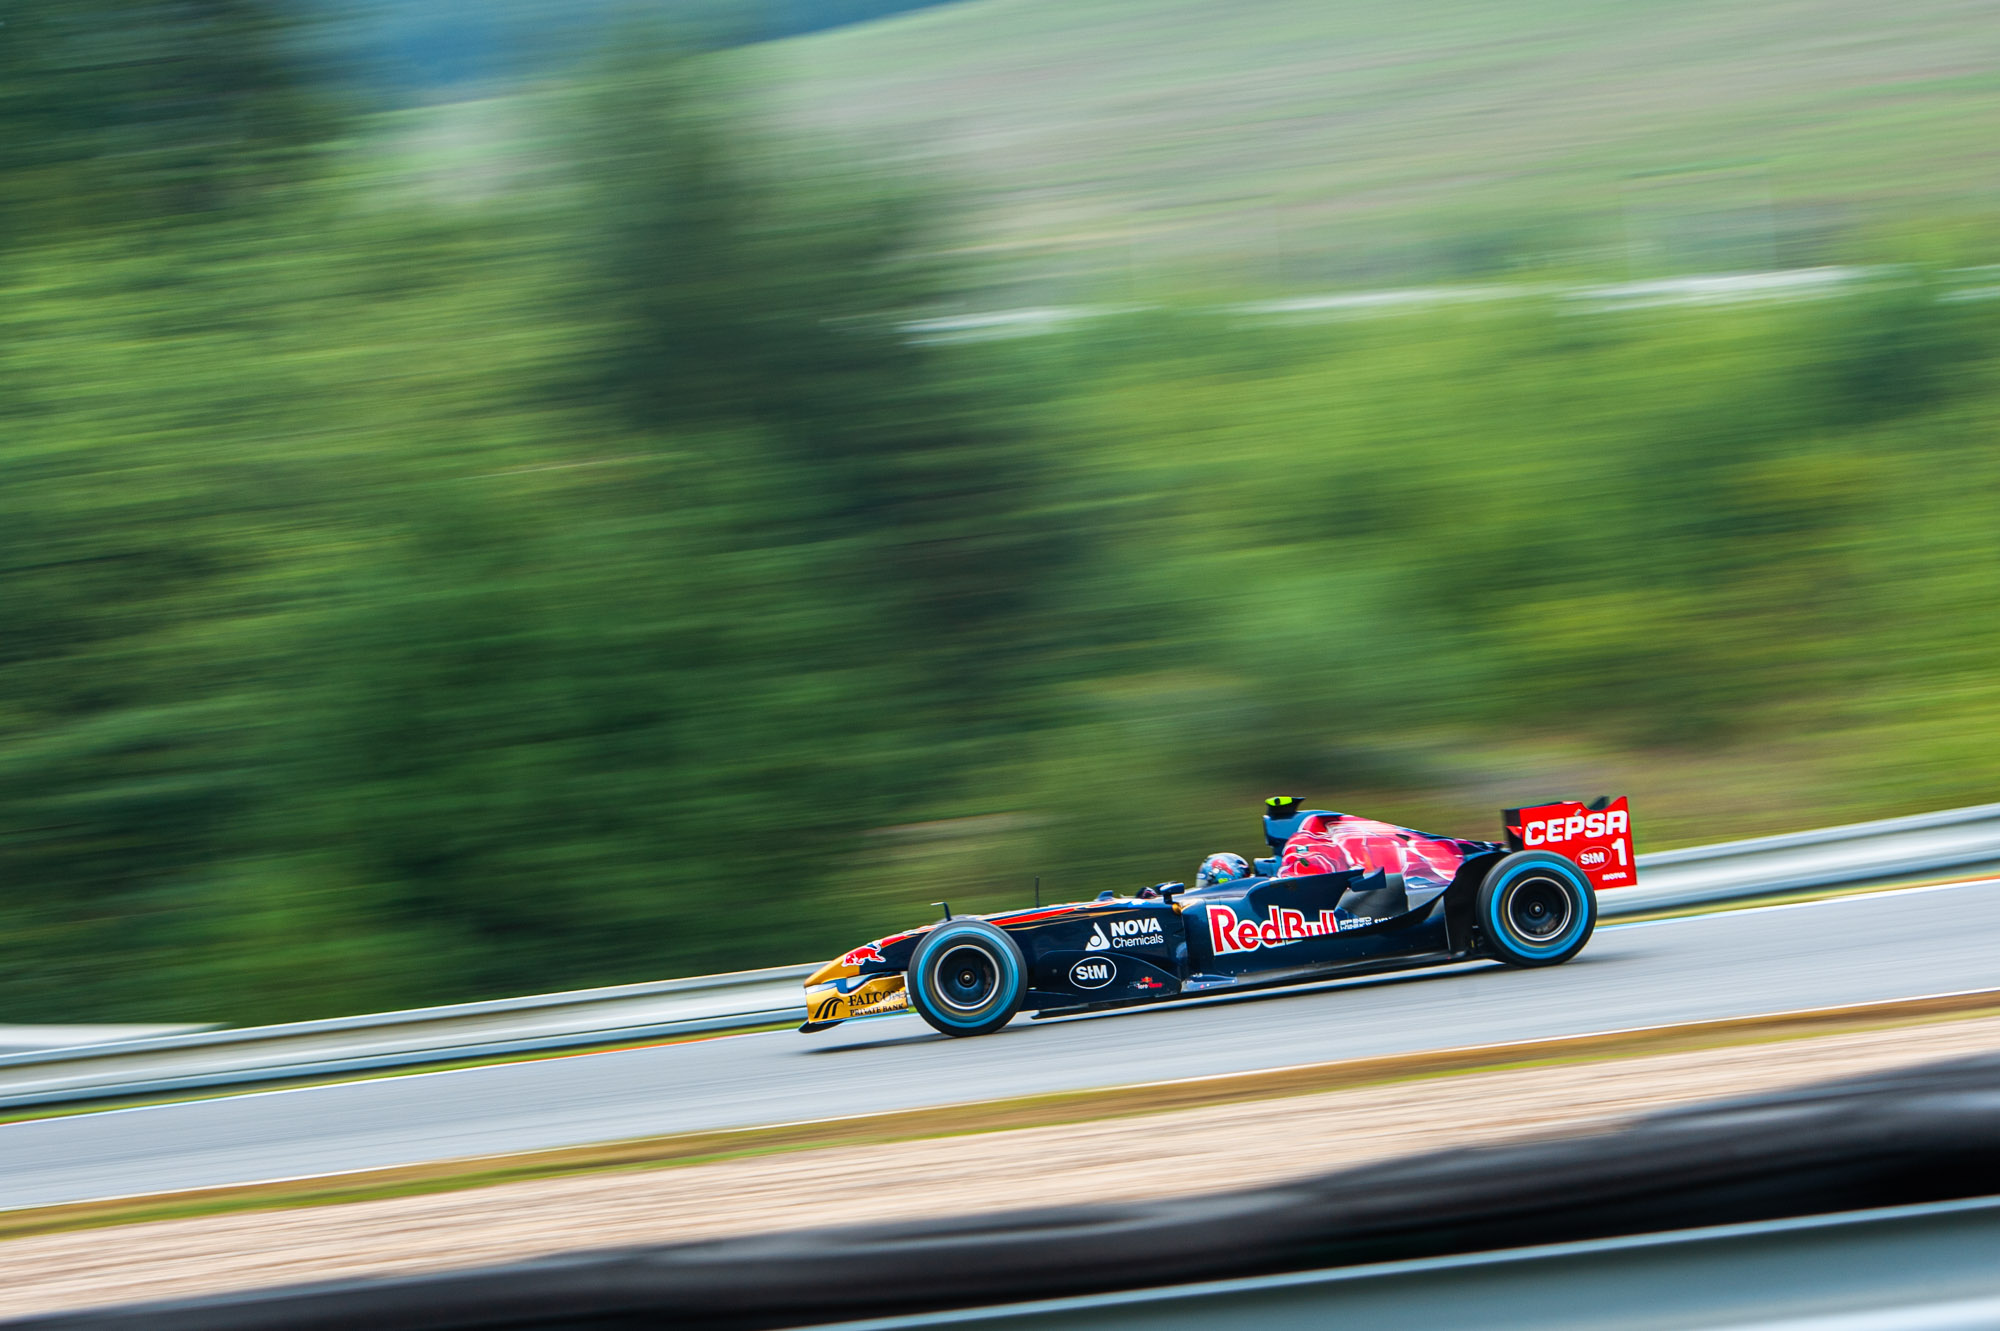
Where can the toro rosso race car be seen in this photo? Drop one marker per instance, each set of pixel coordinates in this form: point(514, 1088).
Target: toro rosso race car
point(1338, 895)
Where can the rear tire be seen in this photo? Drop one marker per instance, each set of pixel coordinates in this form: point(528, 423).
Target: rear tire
point(967, 978)
point(1535, 909)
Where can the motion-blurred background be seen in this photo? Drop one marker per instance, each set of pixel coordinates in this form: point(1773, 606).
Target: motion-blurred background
point(515, 495)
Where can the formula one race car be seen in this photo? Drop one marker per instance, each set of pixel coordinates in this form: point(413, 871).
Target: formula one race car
point(1339, 895)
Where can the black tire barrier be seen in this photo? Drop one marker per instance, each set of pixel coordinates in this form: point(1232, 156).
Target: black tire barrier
point(1926, 1134)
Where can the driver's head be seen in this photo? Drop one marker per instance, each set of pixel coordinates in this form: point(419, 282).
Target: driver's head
point(1222, 867)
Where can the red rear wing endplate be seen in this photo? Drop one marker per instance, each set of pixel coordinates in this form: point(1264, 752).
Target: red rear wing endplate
point(1598, 841)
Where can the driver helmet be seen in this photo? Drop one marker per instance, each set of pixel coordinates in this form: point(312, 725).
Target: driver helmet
point(1221, 868)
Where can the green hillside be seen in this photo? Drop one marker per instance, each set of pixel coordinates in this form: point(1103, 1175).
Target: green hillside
point(1297, 141)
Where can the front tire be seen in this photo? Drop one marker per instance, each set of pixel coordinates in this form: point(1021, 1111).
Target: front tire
point(1535, 909)
point(967, 978)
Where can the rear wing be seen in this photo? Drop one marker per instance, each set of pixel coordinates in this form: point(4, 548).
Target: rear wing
point(1596, 837)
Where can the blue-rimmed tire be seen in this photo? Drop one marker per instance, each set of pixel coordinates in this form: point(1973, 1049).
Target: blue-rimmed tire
point(1535, 909)
point(967, 978)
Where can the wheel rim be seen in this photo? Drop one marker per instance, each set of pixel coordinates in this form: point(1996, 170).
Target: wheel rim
point(966, 977)
point(1537, 910)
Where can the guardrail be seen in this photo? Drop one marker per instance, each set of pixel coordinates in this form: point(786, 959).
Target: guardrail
point(32, 1039)
point(1863, 852)
point(1886, 849)
point(387, 1040)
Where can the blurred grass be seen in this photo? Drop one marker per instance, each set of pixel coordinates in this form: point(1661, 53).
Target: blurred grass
point(418, 586)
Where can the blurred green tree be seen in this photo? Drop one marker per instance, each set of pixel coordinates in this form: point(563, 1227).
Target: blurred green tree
point(739, 282)
point(118, 111)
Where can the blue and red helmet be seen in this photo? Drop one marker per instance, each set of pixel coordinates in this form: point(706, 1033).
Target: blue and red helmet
point(1222, 867)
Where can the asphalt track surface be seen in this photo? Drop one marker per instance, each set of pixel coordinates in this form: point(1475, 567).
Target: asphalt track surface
point(1742, 963)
